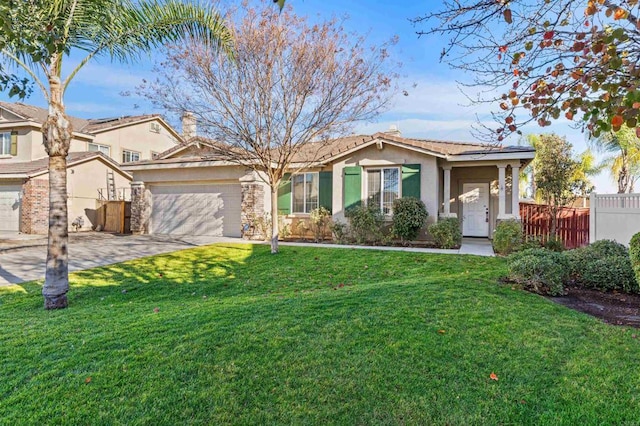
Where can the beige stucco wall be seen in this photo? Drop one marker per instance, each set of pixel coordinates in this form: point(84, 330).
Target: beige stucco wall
point(24, 146)
point(482, 174)
point(391, 156)
point(83, 182)
point(138, 138)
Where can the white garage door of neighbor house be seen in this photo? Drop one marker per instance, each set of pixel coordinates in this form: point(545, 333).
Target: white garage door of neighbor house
point(207, 209)
point(10, 208)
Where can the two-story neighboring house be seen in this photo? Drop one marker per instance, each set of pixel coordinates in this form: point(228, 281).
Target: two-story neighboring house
point(98, 148)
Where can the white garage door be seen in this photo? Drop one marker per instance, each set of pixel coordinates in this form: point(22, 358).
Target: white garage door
point(208, 209)
point(10, 208)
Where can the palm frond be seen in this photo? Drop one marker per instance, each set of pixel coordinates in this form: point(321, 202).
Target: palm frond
point(139, 27)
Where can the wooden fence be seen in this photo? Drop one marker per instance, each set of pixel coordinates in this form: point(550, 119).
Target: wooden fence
point(572, 229)
point(115, 216)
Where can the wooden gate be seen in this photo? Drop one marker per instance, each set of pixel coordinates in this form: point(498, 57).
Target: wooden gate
point(573, 224)
point(116, 216)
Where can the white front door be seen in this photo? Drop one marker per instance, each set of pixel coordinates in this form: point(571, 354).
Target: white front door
point(475, 209)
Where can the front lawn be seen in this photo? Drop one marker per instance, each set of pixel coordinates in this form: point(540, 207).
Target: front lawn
point(231, 334)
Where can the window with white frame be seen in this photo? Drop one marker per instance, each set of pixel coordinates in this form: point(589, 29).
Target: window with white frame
point(128, 156)
point(305, 189)
point(383, 187)
point(5, 143)
point(96, 147)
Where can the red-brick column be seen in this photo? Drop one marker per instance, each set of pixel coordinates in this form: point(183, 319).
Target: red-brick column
point(35, 207)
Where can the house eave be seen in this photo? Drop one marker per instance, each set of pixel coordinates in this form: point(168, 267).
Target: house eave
point(178, 165)
point(492, 156)
point(38, 126)
point(14, 176)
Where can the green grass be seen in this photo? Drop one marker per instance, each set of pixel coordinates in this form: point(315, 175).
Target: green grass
point(309, 336)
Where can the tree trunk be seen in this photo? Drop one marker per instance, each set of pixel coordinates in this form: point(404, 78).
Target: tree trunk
point(554, 220)
point(623, 180)
point(56, 132)
point(274, 220)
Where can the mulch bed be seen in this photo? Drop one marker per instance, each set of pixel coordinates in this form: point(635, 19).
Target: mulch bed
point(612, 308)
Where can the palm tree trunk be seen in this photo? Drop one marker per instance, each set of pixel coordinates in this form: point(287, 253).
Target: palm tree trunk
point(274, 219)
point(56, 133)
point(56, 283)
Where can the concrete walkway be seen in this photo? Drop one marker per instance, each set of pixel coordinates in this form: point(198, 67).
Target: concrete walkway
point(477, 247)
point(22, 258)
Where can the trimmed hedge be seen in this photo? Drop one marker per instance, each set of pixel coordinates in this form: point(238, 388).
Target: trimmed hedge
point(539, 270)
point(508, 237)
point(446, 233)
point(634, 255)
point(409, 216)
point(604, 265)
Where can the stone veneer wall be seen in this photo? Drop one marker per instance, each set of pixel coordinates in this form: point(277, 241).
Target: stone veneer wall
point(34, 215)
point(140, 208)
point(252, 210)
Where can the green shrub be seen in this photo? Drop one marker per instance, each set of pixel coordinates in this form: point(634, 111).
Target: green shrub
point(634, 255)
point(319, 222)
point(531, 243)
point(579, 258)
point(554, 244)
point(446, 233)
point(339, 231)
point(365, 223)
point(409, 215)
point(507, 237)
point(604, 265)
point(539, 270)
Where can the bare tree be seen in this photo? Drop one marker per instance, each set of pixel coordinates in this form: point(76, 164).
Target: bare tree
point(291, 86)
point(574, 59)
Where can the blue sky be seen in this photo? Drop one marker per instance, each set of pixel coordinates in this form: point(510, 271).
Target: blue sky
point(435, 107)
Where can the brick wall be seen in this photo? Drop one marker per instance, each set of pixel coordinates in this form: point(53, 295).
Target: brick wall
point(35, 207)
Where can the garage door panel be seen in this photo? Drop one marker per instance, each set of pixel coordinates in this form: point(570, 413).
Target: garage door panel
point(10, 208)
point(212, 209)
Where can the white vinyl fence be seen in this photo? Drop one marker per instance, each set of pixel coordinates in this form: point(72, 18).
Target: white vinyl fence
point(614, 217)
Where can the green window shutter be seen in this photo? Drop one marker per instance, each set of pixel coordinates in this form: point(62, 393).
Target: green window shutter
point(411, 180)
point(284, 195)
point(352, 187)
point(326, 190)
point(14, 143)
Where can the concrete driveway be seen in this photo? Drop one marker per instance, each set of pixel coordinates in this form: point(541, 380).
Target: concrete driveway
point(25, 260)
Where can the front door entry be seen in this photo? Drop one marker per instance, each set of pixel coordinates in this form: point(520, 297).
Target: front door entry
point(475, 209)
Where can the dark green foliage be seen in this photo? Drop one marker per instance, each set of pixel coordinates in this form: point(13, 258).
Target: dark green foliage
point(539, 270)
point(604, 265)
point(409, 215)
point(531, 242)
point(446, 233)
point(365, 224)
point(507, 237)
point(339, 231)
point(634, 255)
point(554, 244)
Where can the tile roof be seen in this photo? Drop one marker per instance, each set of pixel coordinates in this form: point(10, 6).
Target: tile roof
point(321, 151)
point(82, 125)
point(42, 164)
point(324, 152)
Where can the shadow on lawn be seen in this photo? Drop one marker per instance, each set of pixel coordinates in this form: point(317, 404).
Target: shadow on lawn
point(212, 267)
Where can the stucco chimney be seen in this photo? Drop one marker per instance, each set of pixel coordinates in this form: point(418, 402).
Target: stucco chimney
point(394, 131)
point(189, 125)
